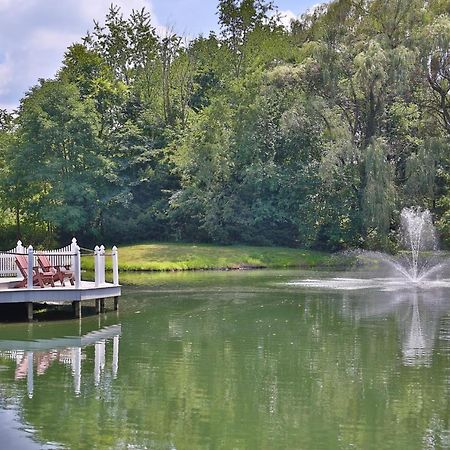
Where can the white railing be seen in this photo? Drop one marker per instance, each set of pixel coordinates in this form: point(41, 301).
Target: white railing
point(100, 264)
point(59, 257)
point(62, 256)
point(8, 267)
point(69, 256)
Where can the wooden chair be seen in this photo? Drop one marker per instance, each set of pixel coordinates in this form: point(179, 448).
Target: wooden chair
point(40, 278)
point(59, 272)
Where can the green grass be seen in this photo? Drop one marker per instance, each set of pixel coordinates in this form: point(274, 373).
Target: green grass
point(175, 256)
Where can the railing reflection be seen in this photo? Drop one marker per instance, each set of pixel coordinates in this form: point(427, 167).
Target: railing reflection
point(37, 356)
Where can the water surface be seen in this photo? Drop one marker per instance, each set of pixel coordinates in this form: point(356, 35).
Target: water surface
point(234, 360)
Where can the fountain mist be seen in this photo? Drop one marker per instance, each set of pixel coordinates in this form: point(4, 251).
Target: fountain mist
point(418, 235)
point(420, 258)
point(420, 264)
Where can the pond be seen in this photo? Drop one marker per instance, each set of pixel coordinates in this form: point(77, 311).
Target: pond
point(234, 360)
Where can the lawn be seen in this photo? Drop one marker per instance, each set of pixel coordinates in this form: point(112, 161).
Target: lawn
point(176, 256)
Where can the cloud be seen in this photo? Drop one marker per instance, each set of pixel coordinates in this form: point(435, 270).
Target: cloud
point(6, 74)
point(286, 17)
point(6, 5)
point(34, 34)
point(53, 39)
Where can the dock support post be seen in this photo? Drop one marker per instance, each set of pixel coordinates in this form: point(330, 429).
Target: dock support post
point(116, 303)
point(29, 311)
point(77, 309)
point(99, 305)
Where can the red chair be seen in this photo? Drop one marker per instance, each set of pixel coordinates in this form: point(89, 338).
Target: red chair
point(40, 278)
point(59, 272)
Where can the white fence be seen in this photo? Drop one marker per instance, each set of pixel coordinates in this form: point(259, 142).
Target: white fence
point(65, 256)
point(59, 257)
point(62, 256)
point(8, 267)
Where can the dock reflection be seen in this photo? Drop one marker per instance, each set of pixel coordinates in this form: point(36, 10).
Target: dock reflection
point(35, 357)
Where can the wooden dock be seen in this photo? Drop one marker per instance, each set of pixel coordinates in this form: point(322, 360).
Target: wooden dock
point(74, 294)
point(61, 295)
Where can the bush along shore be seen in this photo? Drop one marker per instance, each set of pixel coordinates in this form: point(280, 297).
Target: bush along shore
point(178, 257)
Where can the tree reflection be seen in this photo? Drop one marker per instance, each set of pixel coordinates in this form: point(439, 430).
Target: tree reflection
point(247, 368)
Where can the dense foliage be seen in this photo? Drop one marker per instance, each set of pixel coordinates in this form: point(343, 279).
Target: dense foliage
point(313, 135)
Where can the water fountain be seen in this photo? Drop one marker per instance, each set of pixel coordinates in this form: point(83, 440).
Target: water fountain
point(412, 285)
point(420, 258)
point(420, 264)
point(419, 235)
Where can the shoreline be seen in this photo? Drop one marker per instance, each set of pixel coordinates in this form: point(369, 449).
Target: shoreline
point(176, 257)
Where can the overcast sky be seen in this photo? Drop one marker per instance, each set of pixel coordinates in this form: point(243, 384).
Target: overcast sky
point(35, 33)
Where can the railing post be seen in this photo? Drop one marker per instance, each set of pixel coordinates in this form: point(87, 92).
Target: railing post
point(115, 266)
point(30, 374)
point(96, 265)
point(115, 363)
point(76, 367)
point(73, 250)
point(102, 264)
point(19, 249)
point(77, 267)
point(30, 267)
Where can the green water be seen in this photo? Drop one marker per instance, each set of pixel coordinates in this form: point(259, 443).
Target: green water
point(233, 360)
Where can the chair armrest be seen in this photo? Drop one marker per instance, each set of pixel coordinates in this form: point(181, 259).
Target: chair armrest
point(59, 266)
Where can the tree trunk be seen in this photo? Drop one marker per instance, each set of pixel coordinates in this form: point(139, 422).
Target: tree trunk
point(18, 225)
point(371, 119)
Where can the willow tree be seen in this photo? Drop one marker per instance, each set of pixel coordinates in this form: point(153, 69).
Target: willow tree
point(379, 191)
point(422, 171)
point(436, 59)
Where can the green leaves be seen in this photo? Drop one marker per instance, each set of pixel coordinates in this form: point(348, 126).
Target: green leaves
point(316, 135)
point(379, 189)
point(59, 142)
point(126, 45)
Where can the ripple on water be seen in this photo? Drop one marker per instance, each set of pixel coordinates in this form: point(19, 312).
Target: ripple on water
point(382, 284)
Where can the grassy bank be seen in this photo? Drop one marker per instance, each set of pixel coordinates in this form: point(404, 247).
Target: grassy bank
point(175, 256)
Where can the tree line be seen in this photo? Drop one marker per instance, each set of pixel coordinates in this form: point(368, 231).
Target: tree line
point(312, 135)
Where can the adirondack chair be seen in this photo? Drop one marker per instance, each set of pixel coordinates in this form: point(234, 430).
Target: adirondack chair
point(60, 272)
point(40, 278)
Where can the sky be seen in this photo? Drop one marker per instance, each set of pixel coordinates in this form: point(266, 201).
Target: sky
point(34, 34)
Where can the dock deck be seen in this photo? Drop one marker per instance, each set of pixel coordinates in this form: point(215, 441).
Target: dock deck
point(58, 294)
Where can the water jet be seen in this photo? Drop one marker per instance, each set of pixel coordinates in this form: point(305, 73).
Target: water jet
point(418, 265)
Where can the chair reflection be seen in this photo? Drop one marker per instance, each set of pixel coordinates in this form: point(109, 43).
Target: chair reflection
point(37, 356)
